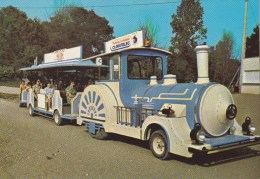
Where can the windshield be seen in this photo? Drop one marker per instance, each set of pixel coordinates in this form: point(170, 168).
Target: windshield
point(143, 67)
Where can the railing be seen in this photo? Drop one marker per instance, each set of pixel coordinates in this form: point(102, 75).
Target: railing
point(134, 117)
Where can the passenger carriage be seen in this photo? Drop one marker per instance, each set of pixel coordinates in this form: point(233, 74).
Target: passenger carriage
point(63, 69)
point(23, 98)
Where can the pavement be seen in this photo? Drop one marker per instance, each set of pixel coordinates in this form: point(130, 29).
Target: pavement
point(9, 90)
point(34, 147)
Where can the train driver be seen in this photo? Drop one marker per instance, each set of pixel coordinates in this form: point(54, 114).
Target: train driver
point(71, 92)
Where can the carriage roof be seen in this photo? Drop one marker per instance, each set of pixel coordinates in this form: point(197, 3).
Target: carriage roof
point(68, 63)
point(128, 49)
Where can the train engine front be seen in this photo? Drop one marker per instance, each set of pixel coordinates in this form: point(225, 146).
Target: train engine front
point(178, 118)
point(193, 117)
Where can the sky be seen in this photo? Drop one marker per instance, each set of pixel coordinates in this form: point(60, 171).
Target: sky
point(127, 15)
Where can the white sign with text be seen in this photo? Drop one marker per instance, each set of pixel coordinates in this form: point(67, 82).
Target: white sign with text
point(63, 54)
point(134, 39)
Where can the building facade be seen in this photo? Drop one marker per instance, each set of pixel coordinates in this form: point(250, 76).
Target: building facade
point(250, 75)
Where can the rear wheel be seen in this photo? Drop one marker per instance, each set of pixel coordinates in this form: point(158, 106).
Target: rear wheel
point(31, 113)
point(57, 119)
point(159, 145)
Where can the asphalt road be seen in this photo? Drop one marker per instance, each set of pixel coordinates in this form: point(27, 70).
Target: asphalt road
point(33, 147)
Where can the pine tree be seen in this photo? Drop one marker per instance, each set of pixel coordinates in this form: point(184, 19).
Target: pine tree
point(252, 43)
point(188, 30)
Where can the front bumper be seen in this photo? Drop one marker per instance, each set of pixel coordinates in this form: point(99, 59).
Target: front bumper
point(225, 143)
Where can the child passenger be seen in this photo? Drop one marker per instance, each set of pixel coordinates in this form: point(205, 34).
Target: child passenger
point(49, 91)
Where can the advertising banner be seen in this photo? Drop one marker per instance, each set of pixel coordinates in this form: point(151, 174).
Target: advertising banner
point(63, 54)
point(134, 39)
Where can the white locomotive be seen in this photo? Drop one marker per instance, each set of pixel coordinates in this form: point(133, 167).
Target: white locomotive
point(140, 100)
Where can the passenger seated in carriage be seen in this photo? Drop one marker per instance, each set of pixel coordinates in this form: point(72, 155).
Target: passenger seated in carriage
point(22, 86)
point(49, 91)
point(71, 92)
point(36, 89)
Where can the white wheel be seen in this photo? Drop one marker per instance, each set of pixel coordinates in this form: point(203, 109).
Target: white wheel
point(57, 119)
point(158, 145)
point(31, 113)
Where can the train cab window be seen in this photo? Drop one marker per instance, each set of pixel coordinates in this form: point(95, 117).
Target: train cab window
point(143, 67)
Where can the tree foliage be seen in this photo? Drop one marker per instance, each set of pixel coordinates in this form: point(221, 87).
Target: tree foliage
point(22, 39)
point(252, 43)
point(188, 30)
point(73, 26)
point(222, 65)
point(13, 27)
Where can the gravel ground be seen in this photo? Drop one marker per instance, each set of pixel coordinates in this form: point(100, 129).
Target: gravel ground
point(9, 90)
point(33, 147)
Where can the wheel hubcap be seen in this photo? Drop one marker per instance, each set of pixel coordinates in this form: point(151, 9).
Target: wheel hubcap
point(56, 118)
point(158, 145)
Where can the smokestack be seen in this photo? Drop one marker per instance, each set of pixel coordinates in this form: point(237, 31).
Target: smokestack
point(153, 80)
point(169, 79)
point(202, 63)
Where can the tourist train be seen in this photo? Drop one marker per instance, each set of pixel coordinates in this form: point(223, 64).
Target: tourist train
point(137, 98)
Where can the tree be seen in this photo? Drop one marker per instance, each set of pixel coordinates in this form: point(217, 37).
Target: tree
point(13, 27)
point(252, 43)
point(74, 26)
point(21, 39)
point(188, 29)
point(222, 65)
point(36, 42)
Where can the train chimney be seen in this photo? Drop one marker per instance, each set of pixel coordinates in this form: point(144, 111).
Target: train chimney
point(153, 80)
point(169, 79)
point(202, 63)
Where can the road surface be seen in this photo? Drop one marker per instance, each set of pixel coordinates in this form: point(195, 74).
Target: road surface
point(33, 147)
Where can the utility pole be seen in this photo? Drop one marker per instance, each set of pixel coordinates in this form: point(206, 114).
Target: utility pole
point(243, 44)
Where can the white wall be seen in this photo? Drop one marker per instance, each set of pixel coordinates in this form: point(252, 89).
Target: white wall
point(251, 75)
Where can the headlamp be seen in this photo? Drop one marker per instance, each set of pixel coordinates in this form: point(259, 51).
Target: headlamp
point(197, 135)
point(232, 130)
point(248, 127)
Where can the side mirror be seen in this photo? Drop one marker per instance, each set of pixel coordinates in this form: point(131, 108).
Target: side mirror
point(99, 61)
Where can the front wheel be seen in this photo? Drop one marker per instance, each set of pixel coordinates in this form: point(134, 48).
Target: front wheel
point(57, 119)
point(31, 113)
point(159, 145)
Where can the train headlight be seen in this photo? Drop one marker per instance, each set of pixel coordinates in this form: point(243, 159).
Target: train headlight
point(197, 135)
point(251, 127)
point(248, 127)
point(200, 136)
point(232, 130)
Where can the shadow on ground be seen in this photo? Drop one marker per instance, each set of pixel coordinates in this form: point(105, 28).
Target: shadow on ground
point(198, 159)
